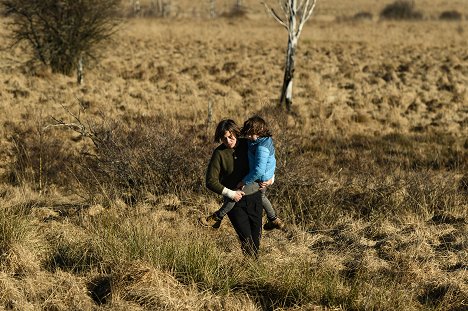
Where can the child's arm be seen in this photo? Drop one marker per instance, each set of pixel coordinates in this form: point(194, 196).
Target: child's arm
point(260, 164)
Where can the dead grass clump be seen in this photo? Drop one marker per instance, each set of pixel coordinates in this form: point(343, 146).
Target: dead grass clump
point(21, 247)
point(59, 291)
point(400, 10)
point(152, 289)
point(11, 295)
point(72, 253)
point(442, 296)
point(190, 258)
point(450, 16)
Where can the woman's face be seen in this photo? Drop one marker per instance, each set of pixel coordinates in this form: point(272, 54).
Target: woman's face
point(229, 140)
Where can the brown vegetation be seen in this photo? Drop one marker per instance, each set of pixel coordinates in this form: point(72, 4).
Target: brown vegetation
point(372, 168)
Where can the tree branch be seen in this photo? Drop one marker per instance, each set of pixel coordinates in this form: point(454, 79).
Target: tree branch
point(275, 16)
point(306, 14)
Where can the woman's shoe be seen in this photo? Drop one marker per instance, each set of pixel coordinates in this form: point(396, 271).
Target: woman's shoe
point(273, 224)
point(211, 221)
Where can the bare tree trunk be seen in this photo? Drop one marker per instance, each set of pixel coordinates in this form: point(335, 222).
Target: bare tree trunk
point(209, 119)
point(159, 7)
point(167, 8)
point(136, 7)
point(286, 90)
point(212, 8)
point(79, 74)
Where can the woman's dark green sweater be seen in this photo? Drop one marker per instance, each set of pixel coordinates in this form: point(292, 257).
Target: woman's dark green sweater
point(227, 167)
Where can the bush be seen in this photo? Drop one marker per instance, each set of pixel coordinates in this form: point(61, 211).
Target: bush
point(60, 32)
point(235, 12)
point(400, 10)
point(451, 16)
point(362, 16)
point(145, 155)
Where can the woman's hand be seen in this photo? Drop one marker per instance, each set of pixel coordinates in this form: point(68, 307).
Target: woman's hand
point(238, 196)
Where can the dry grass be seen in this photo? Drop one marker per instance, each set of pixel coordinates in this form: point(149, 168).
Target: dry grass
point(371, 168)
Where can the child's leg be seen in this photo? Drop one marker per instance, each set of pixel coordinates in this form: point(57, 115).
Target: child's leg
point(271, 214)
point(225, 208)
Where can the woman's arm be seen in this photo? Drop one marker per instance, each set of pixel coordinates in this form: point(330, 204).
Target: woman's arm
point(212, 182)
point(213, 173)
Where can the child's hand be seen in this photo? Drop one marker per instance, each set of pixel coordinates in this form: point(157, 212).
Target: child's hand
point(264, 184)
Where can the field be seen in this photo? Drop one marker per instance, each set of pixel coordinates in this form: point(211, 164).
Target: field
point(372, 165)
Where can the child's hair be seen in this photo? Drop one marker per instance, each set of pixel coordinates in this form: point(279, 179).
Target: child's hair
point(255, 126)
point(226, 125)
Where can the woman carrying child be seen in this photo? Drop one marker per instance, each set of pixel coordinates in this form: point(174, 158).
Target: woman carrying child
point(262, 164)
point(229, 163)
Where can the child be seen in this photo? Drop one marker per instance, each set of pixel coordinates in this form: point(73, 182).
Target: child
point(262, 164)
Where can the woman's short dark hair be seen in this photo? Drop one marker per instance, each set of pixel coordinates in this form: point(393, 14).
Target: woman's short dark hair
point(226, 125)
point(255, 126)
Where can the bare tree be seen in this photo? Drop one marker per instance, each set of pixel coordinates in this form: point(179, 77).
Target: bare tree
point(296, 14)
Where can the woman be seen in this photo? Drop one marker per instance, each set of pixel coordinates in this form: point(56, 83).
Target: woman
point(228, 165)
point(262, 165)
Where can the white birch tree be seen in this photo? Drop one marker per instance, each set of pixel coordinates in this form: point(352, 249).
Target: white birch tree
point(238, 5)
point(295, 15)
point(212, 8)
point(136, 7)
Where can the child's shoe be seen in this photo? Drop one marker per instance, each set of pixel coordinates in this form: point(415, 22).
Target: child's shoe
point(211, 221)
point(274, 224)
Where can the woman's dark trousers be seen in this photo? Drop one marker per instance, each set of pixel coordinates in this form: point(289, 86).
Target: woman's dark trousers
point(246, 218)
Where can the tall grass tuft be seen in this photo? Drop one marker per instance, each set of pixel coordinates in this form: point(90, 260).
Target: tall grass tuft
point(191, 258)
point(15, 228)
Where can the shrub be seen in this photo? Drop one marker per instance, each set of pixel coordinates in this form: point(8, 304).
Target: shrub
point(235, 12)
point(60, 32)
point(400, 10)
point(362, 16)
point(450, 15)
point(141, 156)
